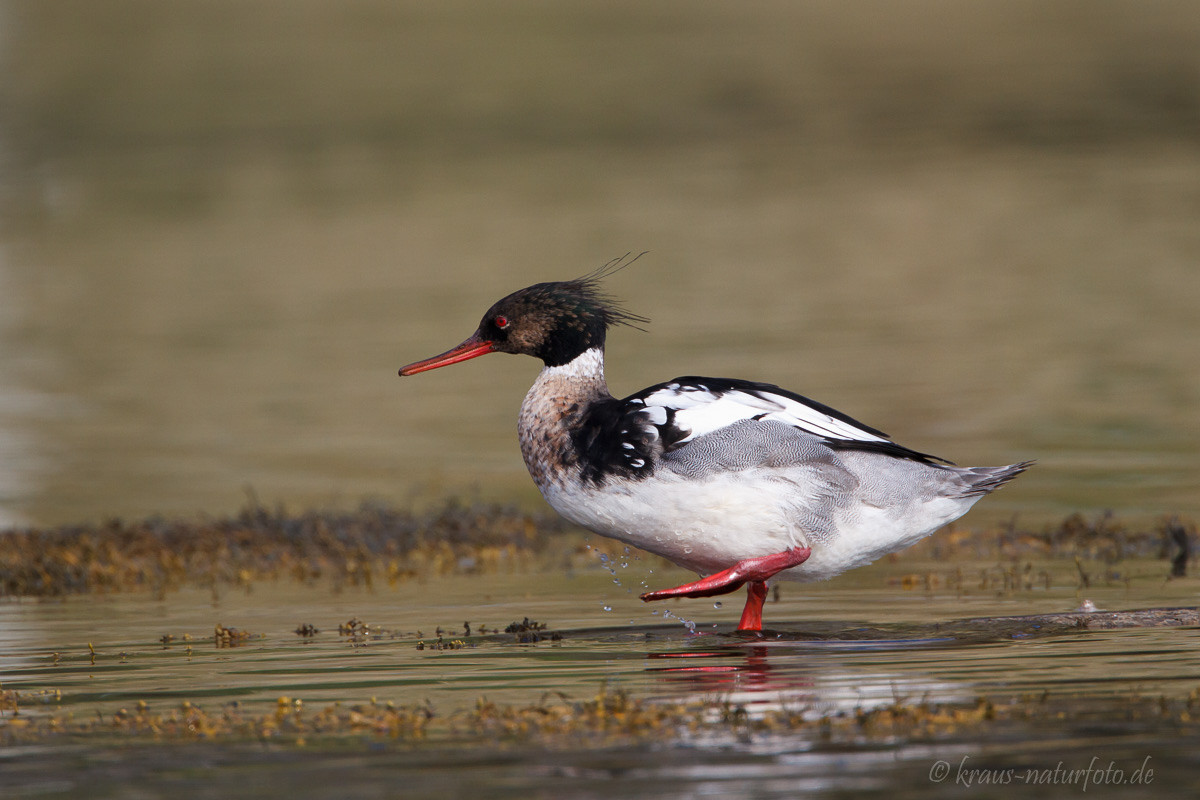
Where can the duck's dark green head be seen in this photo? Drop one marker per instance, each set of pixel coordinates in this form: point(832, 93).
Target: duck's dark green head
point(555, 321)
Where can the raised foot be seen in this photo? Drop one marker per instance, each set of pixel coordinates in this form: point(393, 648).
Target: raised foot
point(751, 570)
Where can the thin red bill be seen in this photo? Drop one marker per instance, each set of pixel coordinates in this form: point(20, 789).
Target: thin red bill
point(471, 348)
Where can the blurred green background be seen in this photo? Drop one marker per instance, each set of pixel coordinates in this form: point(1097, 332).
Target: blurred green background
point(227, 224)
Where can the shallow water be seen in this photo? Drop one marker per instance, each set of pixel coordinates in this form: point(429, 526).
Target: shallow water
point(816, 659)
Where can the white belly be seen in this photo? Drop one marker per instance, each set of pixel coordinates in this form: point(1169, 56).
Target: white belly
point(710, 524)
point(704, 525)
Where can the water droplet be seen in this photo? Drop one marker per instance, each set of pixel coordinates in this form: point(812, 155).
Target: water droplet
point(717, 604)
point(608, 608)
point(687, 548)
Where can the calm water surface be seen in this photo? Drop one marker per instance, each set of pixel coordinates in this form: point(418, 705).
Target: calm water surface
point(819, 659)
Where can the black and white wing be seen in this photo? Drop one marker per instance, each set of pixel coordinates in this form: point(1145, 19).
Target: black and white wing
point(690, 407)
point(626, 438)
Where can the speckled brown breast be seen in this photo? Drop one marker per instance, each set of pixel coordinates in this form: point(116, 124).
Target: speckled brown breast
point(554, 405)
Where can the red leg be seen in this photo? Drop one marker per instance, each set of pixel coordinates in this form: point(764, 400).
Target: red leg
point(752, 570)
point(756, 595)
point(730, 580)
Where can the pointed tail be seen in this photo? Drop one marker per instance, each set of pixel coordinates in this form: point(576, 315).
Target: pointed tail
point(979, 481)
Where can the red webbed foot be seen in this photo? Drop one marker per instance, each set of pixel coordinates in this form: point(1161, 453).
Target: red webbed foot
point(752, 571)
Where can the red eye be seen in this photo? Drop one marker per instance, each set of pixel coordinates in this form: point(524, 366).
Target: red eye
point(501, 322)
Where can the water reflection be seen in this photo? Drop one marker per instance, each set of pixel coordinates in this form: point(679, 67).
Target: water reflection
point(760, 679)
point(816, 664)
point(728, 671)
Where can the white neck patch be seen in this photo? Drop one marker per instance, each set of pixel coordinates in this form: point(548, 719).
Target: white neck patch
point(589, 365)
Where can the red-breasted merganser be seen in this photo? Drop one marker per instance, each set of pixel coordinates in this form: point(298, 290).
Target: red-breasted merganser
point(737, 480)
